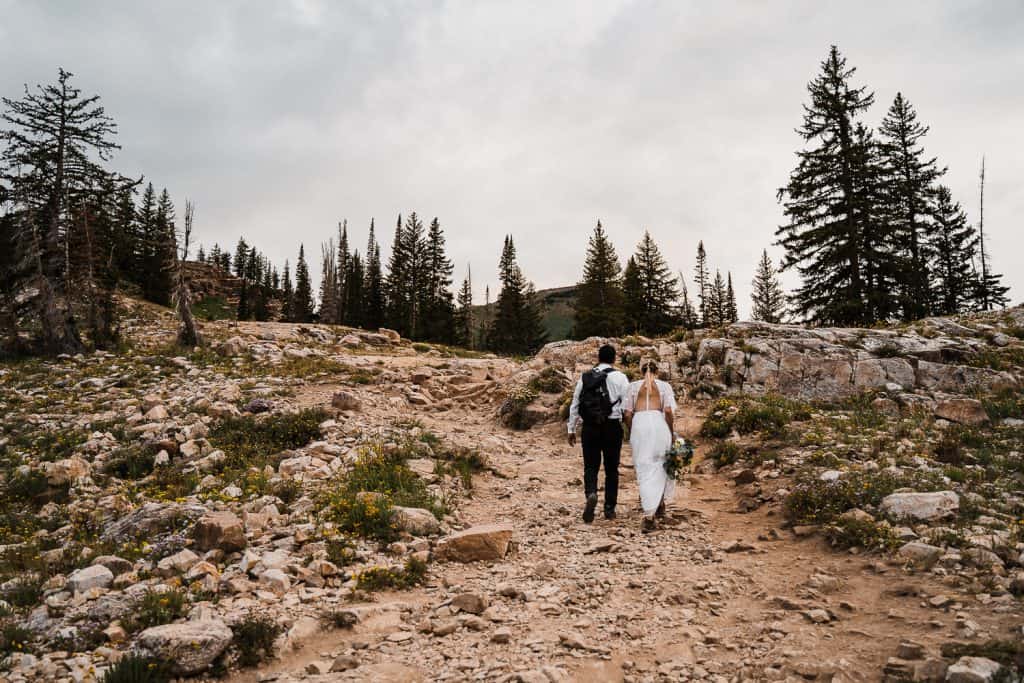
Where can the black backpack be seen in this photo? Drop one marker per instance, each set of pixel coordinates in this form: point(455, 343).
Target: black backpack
point(595, 403)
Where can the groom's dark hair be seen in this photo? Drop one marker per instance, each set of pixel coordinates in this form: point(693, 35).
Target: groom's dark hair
point(606, 354)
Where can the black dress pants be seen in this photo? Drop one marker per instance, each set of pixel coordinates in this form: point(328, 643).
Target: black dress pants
point(602, 442)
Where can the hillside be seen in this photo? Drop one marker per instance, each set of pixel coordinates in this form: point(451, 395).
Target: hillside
point(556, 307)
point(309, 502)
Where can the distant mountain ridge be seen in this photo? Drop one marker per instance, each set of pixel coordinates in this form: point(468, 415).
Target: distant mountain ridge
point(557, 306)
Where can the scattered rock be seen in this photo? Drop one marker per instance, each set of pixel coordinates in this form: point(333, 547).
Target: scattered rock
point(220, 530)
point(190, 648)
point(973, 670)
point(96, 576)
point(925, 507)
point(480, 543)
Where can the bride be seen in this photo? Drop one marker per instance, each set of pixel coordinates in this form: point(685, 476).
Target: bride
point(649, 407)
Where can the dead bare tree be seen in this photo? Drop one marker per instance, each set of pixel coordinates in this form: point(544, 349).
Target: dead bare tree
point(188, 334)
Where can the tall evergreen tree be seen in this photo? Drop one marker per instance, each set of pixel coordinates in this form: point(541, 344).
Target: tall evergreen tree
point(339, 305)
point(354, 279)
point(650, 290)
point(126, 246)
point(160, 278)
point(437, 309)
point(717, 302)
point(954, 244)
point(287, 295)
point(599, 307)
point(51, 164)
point(373, 288)
point(464, 327)
point(241, 258)
point(824, 236)
point(302, 305)
point(767, 298)
point(702, 278)
point(516, 327)
point(398, 285)
point(911, 188)
point(990, 292)
point(731, 310)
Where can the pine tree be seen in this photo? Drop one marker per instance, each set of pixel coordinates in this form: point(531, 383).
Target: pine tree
point(824, 238)
point(51, 166)
point(953, 244)
point(302, 306)
point(717, 302)
point(126, 246)
point(414, 248)
point(339, 305)
point(397, 285)
point(990, 292)
point(354, 290)
point(464, 314)
point(146, 256)
point(599, 303)
point(287, 295)
point(703, 280)
point(731, 310)
point(650, 290)
point(241, 257)
point(767, 299)
point(373, 288)
point(437, 309)
point(165, 252)
point(516, 327)
point(911, 182)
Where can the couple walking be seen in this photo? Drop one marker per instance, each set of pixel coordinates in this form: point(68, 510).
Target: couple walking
point(604, 398)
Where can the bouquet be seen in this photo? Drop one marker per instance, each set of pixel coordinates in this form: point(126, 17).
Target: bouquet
point(678, 458)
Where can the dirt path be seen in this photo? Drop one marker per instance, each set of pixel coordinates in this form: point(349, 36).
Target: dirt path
point(602, 602)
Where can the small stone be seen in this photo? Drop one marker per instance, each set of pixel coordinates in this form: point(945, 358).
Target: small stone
point(344, 663)
point(345, 400)
point(973, 670)
point(910, 650)
point(473, 603)
point(501, 635)
point(96, 576)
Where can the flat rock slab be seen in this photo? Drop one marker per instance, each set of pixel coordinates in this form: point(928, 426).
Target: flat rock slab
point(478, 543)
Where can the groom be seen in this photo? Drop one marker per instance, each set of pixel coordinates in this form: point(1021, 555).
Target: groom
point(598, 402)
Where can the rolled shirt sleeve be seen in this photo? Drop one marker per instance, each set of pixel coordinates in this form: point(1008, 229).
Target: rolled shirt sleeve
point(574, 408)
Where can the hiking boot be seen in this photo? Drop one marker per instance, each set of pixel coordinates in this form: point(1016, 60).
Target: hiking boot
point(647, 525)
point(609, 514)
point(588, 511)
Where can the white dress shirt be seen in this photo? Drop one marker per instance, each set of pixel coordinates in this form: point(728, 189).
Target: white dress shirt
point(618, 385)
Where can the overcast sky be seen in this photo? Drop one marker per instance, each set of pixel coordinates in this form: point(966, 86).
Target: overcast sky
point(279, 119)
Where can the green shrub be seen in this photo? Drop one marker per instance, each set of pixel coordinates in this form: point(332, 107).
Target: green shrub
point(133, 462)
point(156, 608)
point(549, 381)
point(846, 532)
point(249, 441)
point(461, 462)
point(253, 638)
point(23, 592)
point(1006, 403)
point(414, 573)
point(725, 453)
point(340, 551)
point(888, 350)
point(214, 308)
point(136, 669)
point(769, 414)
point(287, 490)
point(513, 413)
point(813, 501)
point(344, 618)
point(421, 348)
point(14, 638)
point(387, 473)
point(365, 516)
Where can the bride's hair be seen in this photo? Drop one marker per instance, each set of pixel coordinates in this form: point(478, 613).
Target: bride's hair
point(649, 366)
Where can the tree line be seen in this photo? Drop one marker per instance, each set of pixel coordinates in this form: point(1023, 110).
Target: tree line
point(871, 229)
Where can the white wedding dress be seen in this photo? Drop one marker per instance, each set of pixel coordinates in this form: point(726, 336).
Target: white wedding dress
point(650, 439)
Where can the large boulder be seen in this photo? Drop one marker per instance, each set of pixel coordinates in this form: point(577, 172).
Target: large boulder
point(921, 507)
point(965, 411)
point(220, 530)
point(190, 648)
point(416, 521)
point(479, 543)
point(920, 554)
point(973, 670)
point(152, 519)
point(67, 471)
point(96, 576)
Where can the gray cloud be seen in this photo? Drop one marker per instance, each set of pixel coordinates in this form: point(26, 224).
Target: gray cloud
point(531, 118)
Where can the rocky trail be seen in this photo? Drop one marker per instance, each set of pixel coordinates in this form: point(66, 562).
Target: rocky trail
point(715, 594)
point(313, 503)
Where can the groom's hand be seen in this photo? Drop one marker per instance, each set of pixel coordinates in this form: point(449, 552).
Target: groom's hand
point(572, 438)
